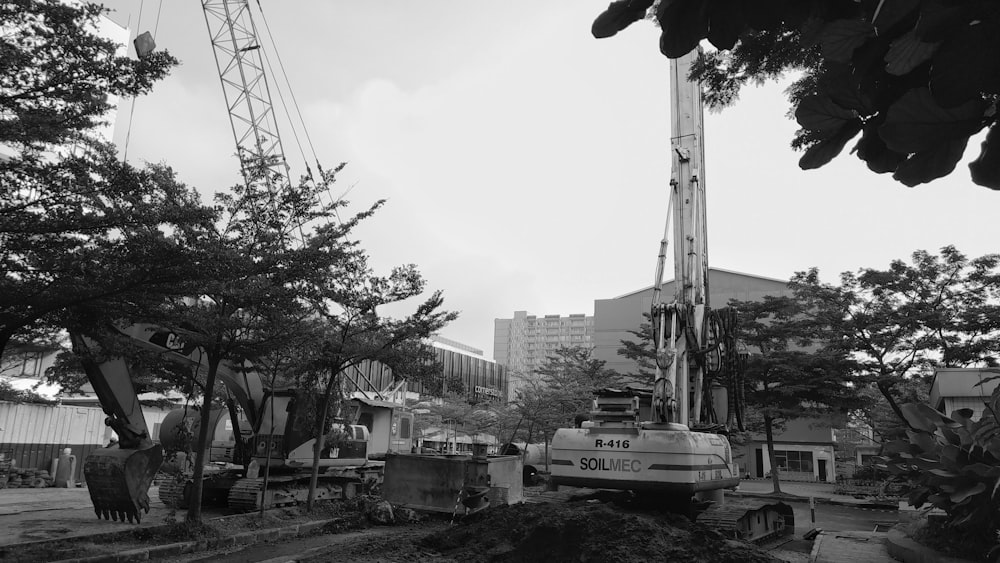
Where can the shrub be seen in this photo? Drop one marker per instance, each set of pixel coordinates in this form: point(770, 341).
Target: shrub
point(952, 463)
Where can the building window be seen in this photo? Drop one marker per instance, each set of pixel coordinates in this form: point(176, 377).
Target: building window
point(801, 462)
point(31, 365)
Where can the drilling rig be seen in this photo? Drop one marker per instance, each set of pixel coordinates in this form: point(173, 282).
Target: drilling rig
point(671, 441)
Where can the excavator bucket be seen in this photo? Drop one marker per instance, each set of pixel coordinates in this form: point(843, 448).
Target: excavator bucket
point(119, 480)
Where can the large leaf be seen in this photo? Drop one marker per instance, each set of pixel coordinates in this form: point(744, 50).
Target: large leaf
point(891, 13)
point(840, 38)
point(820, 113)
point(965, 492)
point(925, 166)
point(986, 432)
point(963, 416)
point(895, 447)
point(726, 21)
point(952, 457)
point(939, 500)
point(921, 416)
point(684, 24)
point(923, 440)
point(907, 53)
point(826, 150)
point(950, 435)
point(841, 85)
point(873, 150)
point(915, 122)
point(925, 463)
point(918, 496)
point(986, 168)
point(618, 16)
point(966, 66)
point(982, 471)
point(811, 31)
point(939, 19)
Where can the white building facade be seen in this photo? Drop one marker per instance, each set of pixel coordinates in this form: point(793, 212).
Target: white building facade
point(522, 343)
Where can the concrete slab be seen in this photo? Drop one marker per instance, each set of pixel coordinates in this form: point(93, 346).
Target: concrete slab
point(822, 492)
point(851, 547)
point(50, 513)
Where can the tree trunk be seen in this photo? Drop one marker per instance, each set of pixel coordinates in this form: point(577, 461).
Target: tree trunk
point(769, 433)
point(514, 433)
point(267, 453)
point(320, 439)
point(545, 437)
point(5, 336)
point(194, 508)
point(885, 388)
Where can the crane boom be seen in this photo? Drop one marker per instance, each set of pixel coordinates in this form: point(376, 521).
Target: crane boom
point(244, 84)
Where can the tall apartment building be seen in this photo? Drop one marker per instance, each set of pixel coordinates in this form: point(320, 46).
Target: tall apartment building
point(522, 343)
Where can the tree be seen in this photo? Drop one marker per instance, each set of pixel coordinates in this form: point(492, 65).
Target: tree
point(642, 351)
point(570, 376)
point(915, 79)
point(789, 375)
point(874, 411)
point(349, 295)
point(57, 73)
point(76, 225)
point(939, 310)
point(457, 413)
point(540, 412)
point(10, 394)
point(260, 261)
point(952, 463)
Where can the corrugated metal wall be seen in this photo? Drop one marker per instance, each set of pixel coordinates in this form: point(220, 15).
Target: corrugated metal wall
point(472, 371)
point(33, 435)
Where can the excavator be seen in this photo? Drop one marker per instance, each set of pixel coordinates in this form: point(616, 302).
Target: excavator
point(671, 440)
point(270, 428)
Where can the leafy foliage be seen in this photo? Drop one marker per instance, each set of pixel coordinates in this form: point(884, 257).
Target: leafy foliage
point(56, 72)
point(570, 377)
point(938, 310)
point(791, 373)
point(952, 463)
point(10, 394)
point(559, 394)
point(642, 351)
point(455, 412)
point(874, 411)
point(76, 226)
point(915, 79)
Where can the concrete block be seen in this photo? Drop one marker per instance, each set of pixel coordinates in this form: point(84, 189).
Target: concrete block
point(171, 549)
point(433, 482)
point(246, 538)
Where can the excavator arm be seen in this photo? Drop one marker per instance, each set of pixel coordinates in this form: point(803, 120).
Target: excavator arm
point(118, 477)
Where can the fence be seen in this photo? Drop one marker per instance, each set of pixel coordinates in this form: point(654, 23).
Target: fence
point(32, 435)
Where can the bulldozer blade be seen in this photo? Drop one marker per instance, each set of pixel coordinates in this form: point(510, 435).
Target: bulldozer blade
point(119, 481)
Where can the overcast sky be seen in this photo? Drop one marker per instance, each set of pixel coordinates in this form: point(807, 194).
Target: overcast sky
point(525, 163)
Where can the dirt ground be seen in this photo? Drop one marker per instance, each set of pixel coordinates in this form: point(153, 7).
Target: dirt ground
point(578, 529)
point(43, 514)
point(532, 532)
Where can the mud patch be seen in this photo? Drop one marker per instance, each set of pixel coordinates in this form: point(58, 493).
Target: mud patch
point(36, 533)
point(553, 533)
point(54, 546)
